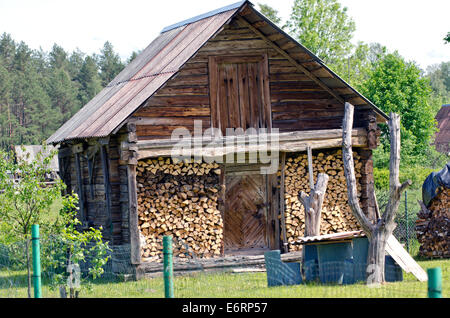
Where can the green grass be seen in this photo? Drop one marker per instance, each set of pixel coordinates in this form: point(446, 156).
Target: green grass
point(243, 285)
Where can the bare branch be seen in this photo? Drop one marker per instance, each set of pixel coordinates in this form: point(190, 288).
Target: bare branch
point(349, 169)
point(395, 188)
point(313, 205)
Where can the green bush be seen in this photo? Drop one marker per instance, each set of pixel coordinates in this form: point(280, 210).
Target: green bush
point(416, 174)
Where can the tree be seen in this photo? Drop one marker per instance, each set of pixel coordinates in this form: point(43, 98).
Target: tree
point(397, 86)
point(109, 63)
point(7, 51)
point(322, 26)
point(355, 68)
point(133, 55)
point(270, 13)
point(439, 76)
point(63, 93)
point(447, 38)
point(76, 61)
point(89, 79)
point(25, 197)
point(58, 58)
point(5, 106)
point(69, 248)
point(379, 232)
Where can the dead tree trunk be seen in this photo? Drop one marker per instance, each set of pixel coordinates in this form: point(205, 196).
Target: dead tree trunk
point(377, 232)
point(313, 205)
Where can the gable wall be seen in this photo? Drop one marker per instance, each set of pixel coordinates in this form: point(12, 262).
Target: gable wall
point(297, 102)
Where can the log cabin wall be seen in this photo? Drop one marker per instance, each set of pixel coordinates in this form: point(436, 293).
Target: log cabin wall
point(297, 102)
point(97, 208)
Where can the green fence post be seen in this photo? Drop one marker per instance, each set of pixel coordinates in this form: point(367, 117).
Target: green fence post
point(434, 282)
point(168, 266)
point(406, 221)
point(36, 261)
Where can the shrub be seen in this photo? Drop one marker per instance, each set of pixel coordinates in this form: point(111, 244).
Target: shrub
point(416, 174)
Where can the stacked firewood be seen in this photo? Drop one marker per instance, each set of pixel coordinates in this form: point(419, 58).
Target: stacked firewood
point(336, 213)
point(433, 226)
point(179, 198)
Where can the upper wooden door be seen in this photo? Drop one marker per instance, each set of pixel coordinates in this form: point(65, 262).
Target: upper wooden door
point(239, 92)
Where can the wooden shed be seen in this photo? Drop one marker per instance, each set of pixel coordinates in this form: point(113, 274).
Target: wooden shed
point(229, 68)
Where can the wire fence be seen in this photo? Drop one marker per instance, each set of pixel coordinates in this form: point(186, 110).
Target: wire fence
point(405, 219)
point(194, 278)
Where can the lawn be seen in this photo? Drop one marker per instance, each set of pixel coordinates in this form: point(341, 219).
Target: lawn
point(234, 285)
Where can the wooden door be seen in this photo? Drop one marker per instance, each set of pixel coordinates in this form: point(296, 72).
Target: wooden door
point(245, 215)
point(239, 92)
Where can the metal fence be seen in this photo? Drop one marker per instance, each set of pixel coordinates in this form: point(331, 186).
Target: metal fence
point(197, 281)
point(405, 219)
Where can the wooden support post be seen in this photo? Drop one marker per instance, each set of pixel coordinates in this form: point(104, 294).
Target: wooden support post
point(91, 162)
point(221, 205)
point(270, 212)
point(282, 202)
point(135, 241)
point(77, 149)
point(310, 168)
point(106, 183)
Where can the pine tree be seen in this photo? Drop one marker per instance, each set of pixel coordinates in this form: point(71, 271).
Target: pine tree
point(58, 58)
point(7, 51)
point(5, 104)
point(109, 63)
point(89, 79)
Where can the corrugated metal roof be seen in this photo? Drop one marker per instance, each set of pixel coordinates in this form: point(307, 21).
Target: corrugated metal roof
point(329, 237)
point(140, 79)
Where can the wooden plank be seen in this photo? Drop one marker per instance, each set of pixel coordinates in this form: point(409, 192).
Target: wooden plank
point(83, 215)
point(310, 168)
point(282, 201)
point(404, 260)
point(107, 185)
point(265, 94)
point(173, 112)
point(179, 101)
point(243, 96)
point(233, 98)
point(253, 100)
point(169, 121)
point(223, 100)
point(214, 92)
point(185, 91)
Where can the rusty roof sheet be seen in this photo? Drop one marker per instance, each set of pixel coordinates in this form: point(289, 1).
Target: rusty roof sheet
point(141, 79)
point(329, 237)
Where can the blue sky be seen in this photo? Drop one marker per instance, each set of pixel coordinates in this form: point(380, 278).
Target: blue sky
point(414, 28)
